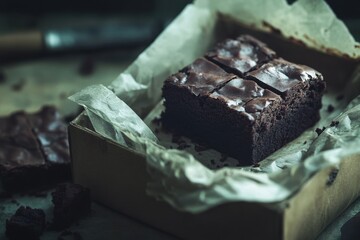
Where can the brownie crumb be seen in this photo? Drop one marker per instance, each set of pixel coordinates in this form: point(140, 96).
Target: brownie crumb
point(17, 87)
point(351, 229)
point(87, 67)
point(330, 108)
point(340, 97)
point(256, 165)
point(70, 235)
point(71, 202)
point(332, 177)
point(319, 130)
point(334, 123)
point(2, 77)
point(26, 223)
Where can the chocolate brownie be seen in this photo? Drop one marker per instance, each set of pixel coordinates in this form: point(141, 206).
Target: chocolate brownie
point(249, 115)
point(71, 202)
point(33, 149)
point(26, 223)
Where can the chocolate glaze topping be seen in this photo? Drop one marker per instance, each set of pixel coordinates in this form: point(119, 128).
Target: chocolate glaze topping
point(33, 140)
point(18, 145)
point(241, 54)
point(245, 96)
point(201, 77)
point(52, 134)
point(280, 75)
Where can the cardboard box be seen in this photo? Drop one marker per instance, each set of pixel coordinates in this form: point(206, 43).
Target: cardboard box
point(117, 175)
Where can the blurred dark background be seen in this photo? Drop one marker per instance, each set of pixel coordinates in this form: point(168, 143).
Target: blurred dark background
point(23, 14)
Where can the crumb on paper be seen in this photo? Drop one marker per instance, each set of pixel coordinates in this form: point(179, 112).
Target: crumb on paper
point(330, 108)
point(319, 130)
point(334, 123)
point(256, 165)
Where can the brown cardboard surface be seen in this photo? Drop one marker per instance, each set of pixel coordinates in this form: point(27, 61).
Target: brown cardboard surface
point(320, 201)
point(117, 178)
point(117, 175)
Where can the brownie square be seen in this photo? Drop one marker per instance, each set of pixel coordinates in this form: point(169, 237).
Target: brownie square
point(33, 149)
point(26, 223)
point(270, 102)
point(286, 78)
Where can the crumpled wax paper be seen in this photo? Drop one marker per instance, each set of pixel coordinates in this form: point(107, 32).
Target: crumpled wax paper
point(176, 175)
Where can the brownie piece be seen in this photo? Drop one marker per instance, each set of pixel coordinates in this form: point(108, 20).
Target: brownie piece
point(18, 145)
point(71, 202)
point(33, 149)
point(248, 116)
point(287, 79)
point(191, 85)
point(201, 77)
point(240, 55)
point(26, 223)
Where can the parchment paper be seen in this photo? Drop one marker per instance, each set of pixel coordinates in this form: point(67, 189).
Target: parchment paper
point(177, 176)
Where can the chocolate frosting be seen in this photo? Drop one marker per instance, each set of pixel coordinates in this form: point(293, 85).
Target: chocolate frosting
point(201, 77)
point(245, 96)
point(241, 54)
point(18, 145)
point(51, 132)
point(280, 75)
